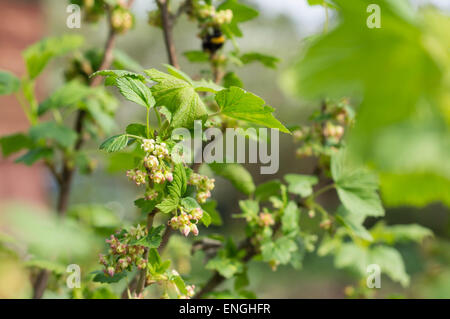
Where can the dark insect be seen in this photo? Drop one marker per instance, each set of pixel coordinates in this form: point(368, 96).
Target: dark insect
point(213, 41)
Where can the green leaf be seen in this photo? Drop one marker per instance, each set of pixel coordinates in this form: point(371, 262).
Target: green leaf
point(137, 129)
point(390, 262)
point(353, 222)
point(178, 186)
point(153, 238)
point(352, 257)
point(168, 205)
point(250, 209)
point(279, 250)
point(145, 205)
point(179, 97)
point(266, 60)
point(231, 79)
point(178, 73)
point(9, 83)
point(189, 203)
point(196, 56)
point(59, 133)
point(266, 190)
point(39, 54)
point(68, 95)
point(241, 13)
point(236, 173)
point(115, 143)
point(414, 189)
point(206, 219)
point(225, 266)
point(242, 105)
point(35, 154)
point(153, 257)
point(179, 282)
point(206, 86)
point(105, 279)
point(210, 208)
point(399, 233)
point(301, 184)
point(356, 187)
point(13, 143)
point(241, 280)
point(290, 219)
point(134, 90)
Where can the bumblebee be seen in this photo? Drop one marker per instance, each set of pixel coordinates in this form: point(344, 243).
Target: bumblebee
point(213, 41)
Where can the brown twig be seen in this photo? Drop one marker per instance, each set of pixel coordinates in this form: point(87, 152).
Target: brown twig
point(143, 273)
point(66, 176)
point(168, 21)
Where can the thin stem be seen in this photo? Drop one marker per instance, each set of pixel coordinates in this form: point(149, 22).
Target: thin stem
point(325, 27)
point(143, 273)
point(167, 26)
point(158, 117)
point(323, 190)
point(148, 122)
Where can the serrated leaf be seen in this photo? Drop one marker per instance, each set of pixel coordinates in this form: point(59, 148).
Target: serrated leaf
point(390, 262)
point(115, 143)
point(399, 233)
point(189, 203)
point(236, 173)
point(353, 222)
point(279, 250)
point(301, 184)
point(225, 266)
point(356, 187)
point(168, 205)
point(242, 105)
point(207, 86)
point(179, 97)
point(206, 219)
point(9, 83)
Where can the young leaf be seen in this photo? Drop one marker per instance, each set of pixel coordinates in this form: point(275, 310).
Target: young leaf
point(137, 129)
point(399, 233)
point(266, 60)
point(68, 95)
point(210, 208)
point(225, 266)
point(189, 203)
point(39, 54)
point(241, 13)
point(135, 91)
point(290, 219)
point(59, 133)
point(168, 205)
point(196, 56)
point(34, 155)
point(301, 184)
point(102, 278)
point(179, 97)
point(206, 86)
point(231, 79)
point(9, 83)
point(236, 174)
point(13, 143)
point(356, 187)
point(390, 262)
point(115, 143)
point(353, 222)
point(279, 250)
point(242, 105)
point(206, 219)
point(153, 238)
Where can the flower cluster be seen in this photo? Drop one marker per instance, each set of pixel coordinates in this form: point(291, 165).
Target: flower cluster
point(157, 165)
point(187, 222)
point(265, 219)
point(137, 176)
point(204, 186)
point(121, 19)
point(209, 12)
point(122, 254)
point(190, 292)
point(325, 136)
